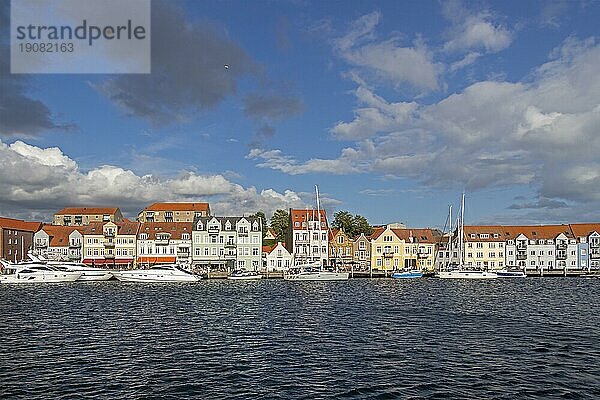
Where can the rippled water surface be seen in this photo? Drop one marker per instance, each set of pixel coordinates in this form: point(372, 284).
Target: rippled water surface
point(380, 339)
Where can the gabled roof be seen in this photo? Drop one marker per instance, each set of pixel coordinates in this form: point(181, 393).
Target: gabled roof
point(59, 234)
point(580, 230)
point(19, 225)
point(176, 229)
point(178, 207)
point(123, 228)
point(268, 249)
point(496, 233)
point(415, 235)
point(534, 232)
point(87, 210)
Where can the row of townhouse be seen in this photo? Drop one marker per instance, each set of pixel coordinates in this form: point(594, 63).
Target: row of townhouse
point(567, 246)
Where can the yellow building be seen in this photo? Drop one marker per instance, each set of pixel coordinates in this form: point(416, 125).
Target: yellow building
point(80, 216)
point(174, 212)
point(485, 246)
point(340, 248)
point(395, 249)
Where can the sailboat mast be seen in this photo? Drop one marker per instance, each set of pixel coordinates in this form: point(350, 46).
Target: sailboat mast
point(319, 231)
point(451, 234)
point(461, 231)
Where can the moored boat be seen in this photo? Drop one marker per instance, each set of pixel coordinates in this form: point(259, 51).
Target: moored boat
point(408, 274)
point(244, 275)
point(310, 272)
point(511, 273)
point(467, 274)
point(157, 273)
point(36, 273)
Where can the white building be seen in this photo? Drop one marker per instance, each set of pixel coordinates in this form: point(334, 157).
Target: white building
point(164, 243)
point(541, 247)
point(227, 243)
point(278, 258)
point(58, 243)
point(307, 236)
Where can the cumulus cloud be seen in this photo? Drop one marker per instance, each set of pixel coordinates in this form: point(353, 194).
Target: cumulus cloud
point(542, 133)
point(388, 60)
point(35, 182)
point(475, 31)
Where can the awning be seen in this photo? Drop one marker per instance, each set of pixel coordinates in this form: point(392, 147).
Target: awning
point(109, 261)
point(156, 260)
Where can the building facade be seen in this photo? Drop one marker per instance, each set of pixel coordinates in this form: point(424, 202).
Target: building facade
point(174, 212)
point(278, 258)
point(361, 251)
point(307, 237)
point(385, 250)
point(110, 244)
point(80, 216)
point(340, 248)
point(227, 243)
point(484, 247)
point(164, 243)
point(16, 238)
point(59, 243)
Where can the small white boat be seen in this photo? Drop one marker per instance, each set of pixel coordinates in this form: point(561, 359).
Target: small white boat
point(37, 273)
point(408, 274)
point(511, 273)
point(244, 275)
point(157, 273)
point(467, 274)
point(310, 272)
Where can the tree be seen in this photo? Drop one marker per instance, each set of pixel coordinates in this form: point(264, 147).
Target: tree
point(352, 225)
point(279, 223)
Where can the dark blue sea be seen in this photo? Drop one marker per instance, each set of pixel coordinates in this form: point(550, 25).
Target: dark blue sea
point(534, 338)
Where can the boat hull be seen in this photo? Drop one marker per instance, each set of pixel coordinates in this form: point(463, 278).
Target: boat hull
point(317, 276)
point(245, 278)
point(467, 274)
point(145, 277)
point(511, 274)
point(59, 277)
point(407, 275)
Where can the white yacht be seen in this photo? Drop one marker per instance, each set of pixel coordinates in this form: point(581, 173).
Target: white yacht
point(244, 275)
point(36, 273)
point(157, 273)
point(310, 272)
point(88, 273)
point(461, 271)
point(511, 273)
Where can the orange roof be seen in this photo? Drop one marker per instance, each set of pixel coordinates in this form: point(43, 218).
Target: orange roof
point(87, 210)
point(496, 233)
point(268, 249)
point(537, 231)
point(415, 235)
point(59, 235)
point(176, 229)
point(580, 230)
point(19, 225)
point(178, 207)
point(306, 215)
point(123, 228)
point(156, 260)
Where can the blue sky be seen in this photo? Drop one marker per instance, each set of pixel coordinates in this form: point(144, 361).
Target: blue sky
point(392, 107)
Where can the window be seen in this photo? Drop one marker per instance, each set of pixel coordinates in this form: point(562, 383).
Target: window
point(185, 236)
point(480, 245)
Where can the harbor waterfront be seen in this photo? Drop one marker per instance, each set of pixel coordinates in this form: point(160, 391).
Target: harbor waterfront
point(220, 339)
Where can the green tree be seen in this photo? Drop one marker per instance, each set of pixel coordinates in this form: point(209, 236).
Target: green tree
point(351, 224)
point(279, 223)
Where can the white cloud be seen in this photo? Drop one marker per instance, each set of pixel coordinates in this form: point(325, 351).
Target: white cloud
point(34, 182)
point(388, 60)
point(543, 133)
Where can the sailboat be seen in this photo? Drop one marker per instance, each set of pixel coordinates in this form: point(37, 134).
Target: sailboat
point(461, 271)
point(312, 271)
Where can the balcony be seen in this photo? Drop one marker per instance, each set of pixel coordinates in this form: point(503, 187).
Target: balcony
point(561, 255)
point(388, 254)
point(107, 256)
point(230, 244)
point(213, 230)
point(561, 246)
point(109, 243)
point(522, 256)
point(521, 246)
point(109, 234)
point(41, 245)
point(231, 254)
point(162, 242)
point(183, 254)
point(75, 245)
point(595, 254)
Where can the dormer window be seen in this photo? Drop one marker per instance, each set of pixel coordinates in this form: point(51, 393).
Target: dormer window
point(228, 226)
point(255, 226)
point(199, 226)
point(143, 236)
point(473, 236)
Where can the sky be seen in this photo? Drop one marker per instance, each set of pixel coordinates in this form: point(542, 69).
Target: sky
point(393, 108)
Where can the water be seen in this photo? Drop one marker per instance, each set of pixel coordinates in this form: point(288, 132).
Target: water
point(377, 339)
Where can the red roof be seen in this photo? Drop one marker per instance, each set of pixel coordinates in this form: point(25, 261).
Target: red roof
point(87, 210)
point(176, 229)
point(178, 207)
point(268, 249)
point(418, 235)
point(59, 235)
point(19, 225)
point(123, 228)
point(306, 215)
point(580, 230)
point(537, 231)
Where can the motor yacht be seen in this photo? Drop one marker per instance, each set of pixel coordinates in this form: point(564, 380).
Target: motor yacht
point(157, 273)
point(36, 273)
